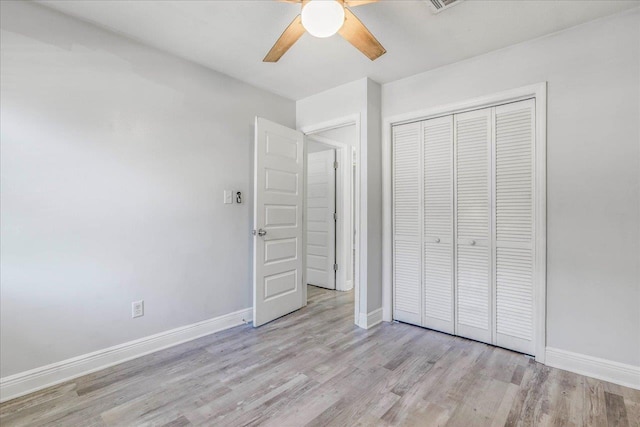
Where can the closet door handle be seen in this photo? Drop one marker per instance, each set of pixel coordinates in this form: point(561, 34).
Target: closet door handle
point(472, 242)
point(437, 240)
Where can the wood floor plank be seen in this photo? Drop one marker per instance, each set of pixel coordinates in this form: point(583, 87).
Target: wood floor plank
point(502, 413)
point(633, 412)
point(523, 409)
point(315, 367)
point(616, 410)
point(594, 407)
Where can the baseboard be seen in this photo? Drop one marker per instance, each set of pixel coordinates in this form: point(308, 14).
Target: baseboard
point(602, 369)
point(39, 378)
point(348, 285)
point(371, 319)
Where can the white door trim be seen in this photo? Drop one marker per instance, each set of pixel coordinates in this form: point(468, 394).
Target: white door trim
point(537, 91)
point(353, 119)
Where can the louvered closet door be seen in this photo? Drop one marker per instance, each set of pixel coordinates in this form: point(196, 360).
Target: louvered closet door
point(407, 202)
point(438, 223)
point(514, 242)
point(473, 225)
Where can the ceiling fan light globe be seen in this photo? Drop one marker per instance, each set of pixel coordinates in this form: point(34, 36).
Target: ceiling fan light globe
point(322, 18)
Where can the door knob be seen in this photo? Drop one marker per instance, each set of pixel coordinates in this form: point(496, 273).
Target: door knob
point(472, 242)
point(437, 240)
point(260, 232)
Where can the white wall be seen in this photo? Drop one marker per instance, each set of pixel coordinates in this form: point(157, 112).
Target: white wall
point(345, 100)
point(345, 135)
point(317, 147)
point(114, 160)
point(593, 170)
point(362, 98)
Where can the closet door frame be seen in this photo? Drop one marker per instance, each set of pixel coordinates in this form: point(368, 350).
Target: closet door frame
point(537, 92)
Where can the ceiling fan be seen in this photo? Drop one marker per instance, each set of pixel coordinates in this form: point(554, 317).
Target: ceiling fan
point(324, 18)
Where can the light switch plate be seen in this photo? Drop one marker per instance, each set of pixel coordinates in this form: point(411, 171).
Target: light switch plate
point(228, 197)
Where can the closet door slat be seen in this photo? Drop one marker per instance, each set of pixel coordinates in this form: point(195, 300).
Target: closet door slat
point(473, 135)
point(438, 223)
point(407, 205)
point(514, 198)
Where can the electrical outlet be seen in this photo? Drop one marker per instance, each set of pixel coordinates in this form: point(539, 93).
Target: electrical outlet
point(137, 309)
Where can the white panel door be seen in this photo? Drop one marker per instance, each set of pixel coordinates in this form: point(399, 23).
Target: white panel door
point(437, 140)
point(320, 219)
point(473, 225)
point(514, 224)
point(278, 201)
point(407, 220)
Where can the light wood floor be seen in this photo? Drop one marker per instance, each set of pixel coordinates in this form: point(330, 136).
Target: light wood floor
point(314, 367)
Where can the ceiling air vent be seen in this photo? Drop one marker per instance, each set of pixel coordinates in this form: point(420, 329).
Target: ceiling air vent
point(438, 6)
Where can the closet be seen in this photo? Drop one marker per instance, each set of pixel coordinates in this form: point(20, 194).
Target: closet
point(463, 224)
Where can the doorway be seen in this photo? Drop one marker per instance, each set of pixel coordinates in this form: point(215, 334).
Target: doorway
point(330, 208)
point(321, 215)
point(279, 250)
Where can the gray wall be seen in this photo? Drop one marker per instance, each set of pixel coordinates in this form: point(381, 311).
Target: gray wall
point(114, 160)
point(374, 195)
point(593, 170)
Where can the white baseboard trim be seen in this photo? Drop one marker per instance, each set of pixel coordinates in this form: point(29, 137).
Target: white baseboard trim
point(369, 320)
point(602, 369)
point(347, 286)
point(39, 378)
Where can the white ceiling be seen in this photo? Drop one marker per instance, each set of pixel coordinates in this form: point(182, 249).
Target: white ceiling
point(233, 36)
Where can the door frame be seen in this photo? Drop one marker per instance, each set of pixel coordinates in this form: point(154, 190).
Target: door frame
point(344, 157)
point(539, 93)
point(308, 131)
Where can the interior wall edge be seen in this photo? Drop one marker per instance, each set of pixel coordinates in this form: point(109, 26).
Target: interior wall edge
point(371, 319)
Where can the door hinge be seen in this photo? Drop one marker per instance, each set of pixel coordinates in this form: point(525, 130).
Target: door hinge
point(335, 216)
point(335, 267)
point(335, 165)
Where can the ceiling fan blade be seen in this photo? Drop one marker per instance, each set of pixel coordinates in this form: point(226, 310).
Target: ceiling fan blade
point(359, 36)
point(354, 3)
point(294, 31)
